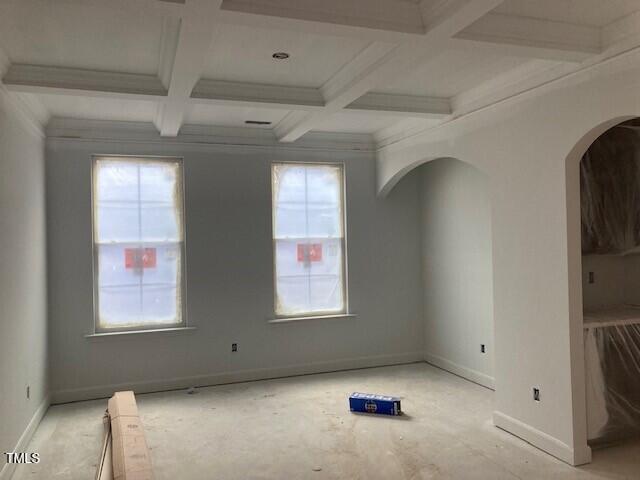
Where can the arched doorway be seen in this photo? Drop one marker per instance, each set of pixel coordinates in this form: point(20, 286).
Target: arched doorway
point(603, 206)
point(457, 267)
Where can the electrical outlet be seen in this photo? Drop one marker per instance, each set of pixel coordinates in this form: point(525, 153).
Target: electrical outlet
point(234, 347)
point(483, 348)
point(28, 392)
point(592, 277)
point(536, 394)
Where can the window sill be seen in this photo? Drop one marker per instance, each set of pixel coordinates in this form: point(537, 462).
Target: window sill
point(312, 317)
point(170, 330)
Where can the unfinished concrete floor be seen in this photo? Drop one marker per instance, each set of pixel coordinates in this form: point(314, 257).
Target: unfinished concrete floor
point(301, 428)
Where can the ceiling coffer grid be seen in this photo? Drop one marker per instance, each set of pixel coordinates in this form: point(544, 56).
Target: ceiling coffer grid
point(377, 62)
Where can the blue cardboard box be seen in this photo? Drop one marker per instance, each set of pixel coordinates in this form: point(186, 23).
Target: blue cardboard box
point(372, 403)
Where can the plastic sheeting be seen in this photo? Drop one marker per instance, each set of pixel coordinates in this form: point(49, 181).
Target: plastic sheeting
point(610, 192)
point(610, 204)
point(139, 242)
point(612, 354)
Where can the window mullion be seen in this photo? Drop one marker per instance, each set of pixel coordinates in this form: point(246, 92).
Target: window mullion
point(307, 260)
point(141, 298)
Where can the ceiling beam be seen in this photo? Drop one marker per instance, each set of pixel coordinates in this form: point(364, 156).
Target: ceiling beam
point(383, 15)
point(186, 62)
point(149, 7)
point(258, 16)
point(405, 105)
point(101, 84)
point(75, 81)
point(625, 29)
point(531, 37)
point(381, 63)
point(534, 52)
point(308, 99)
point(256, 95)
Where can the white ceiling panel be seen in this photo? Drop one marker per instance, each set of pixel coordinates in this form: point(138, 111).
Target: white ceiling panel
point(242, 53)
point(357, 123)
point(94, 108)
point(227, 116)
point(596, 13)
point(451, 73)
point(81, 33)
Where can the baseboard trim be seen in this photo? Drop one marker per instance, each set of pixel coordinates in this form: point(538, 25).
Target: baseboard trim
point(541, 440)
point(464, 372)
point(104, 391)
point(23, 442)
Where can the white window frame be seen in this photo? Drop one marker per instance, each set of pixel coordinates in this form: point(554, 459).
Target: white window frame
point(345, 281)
point(182, 325)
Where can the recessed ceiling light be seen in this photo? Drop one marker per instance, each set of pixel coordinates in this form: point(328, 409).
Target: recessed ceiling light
point(280, 55)
point(256, 122)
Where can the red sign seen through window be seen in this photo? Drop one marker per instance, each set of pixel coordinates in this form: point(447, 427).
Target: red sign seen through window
point(140, 258)
point(310, 252)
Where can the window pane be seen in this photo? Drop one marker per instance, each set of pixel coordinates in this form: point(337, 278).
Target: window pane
point(115, 197)
point(159, 188)
point(117, 221)
point(160, 304)
point(291, 220)
point(159, 223)
point(288, 261)
point(324, 185)
point(293, 295)
point(324, 221)
point(138, 230)
point(289, 181)
point(327, 259)
point(159, 182)
point(118, 181)
point(308, 239)
point(119, 306)
point(326, 293)
point(113, 269)
point(325, 274)
point(167, 267)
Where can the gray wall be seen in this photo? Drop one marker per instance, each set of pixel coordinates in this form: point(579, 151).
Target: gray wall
point(230, 276)
point(23, 296)
point(457, 269)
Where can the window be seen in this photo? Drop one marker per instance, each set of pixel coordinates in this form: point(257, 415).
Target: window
point(138, 243)
point(308, 239)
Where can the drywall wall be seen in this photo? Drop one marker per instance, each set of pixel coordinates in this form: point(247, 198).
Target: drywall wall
point(616, 280)
point(23, 295)
point(230, 275)
point(609, 280)
point(530, 147)
point(456, 265)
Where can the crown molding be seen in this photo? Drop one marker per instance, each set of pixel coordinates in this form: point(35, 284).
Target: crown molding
point(143, 132)
point(29, 111)
point(546, 80)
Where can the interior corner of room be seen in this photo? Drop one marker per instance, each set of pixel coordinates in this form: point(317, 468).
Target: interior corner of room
point(250, 213)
